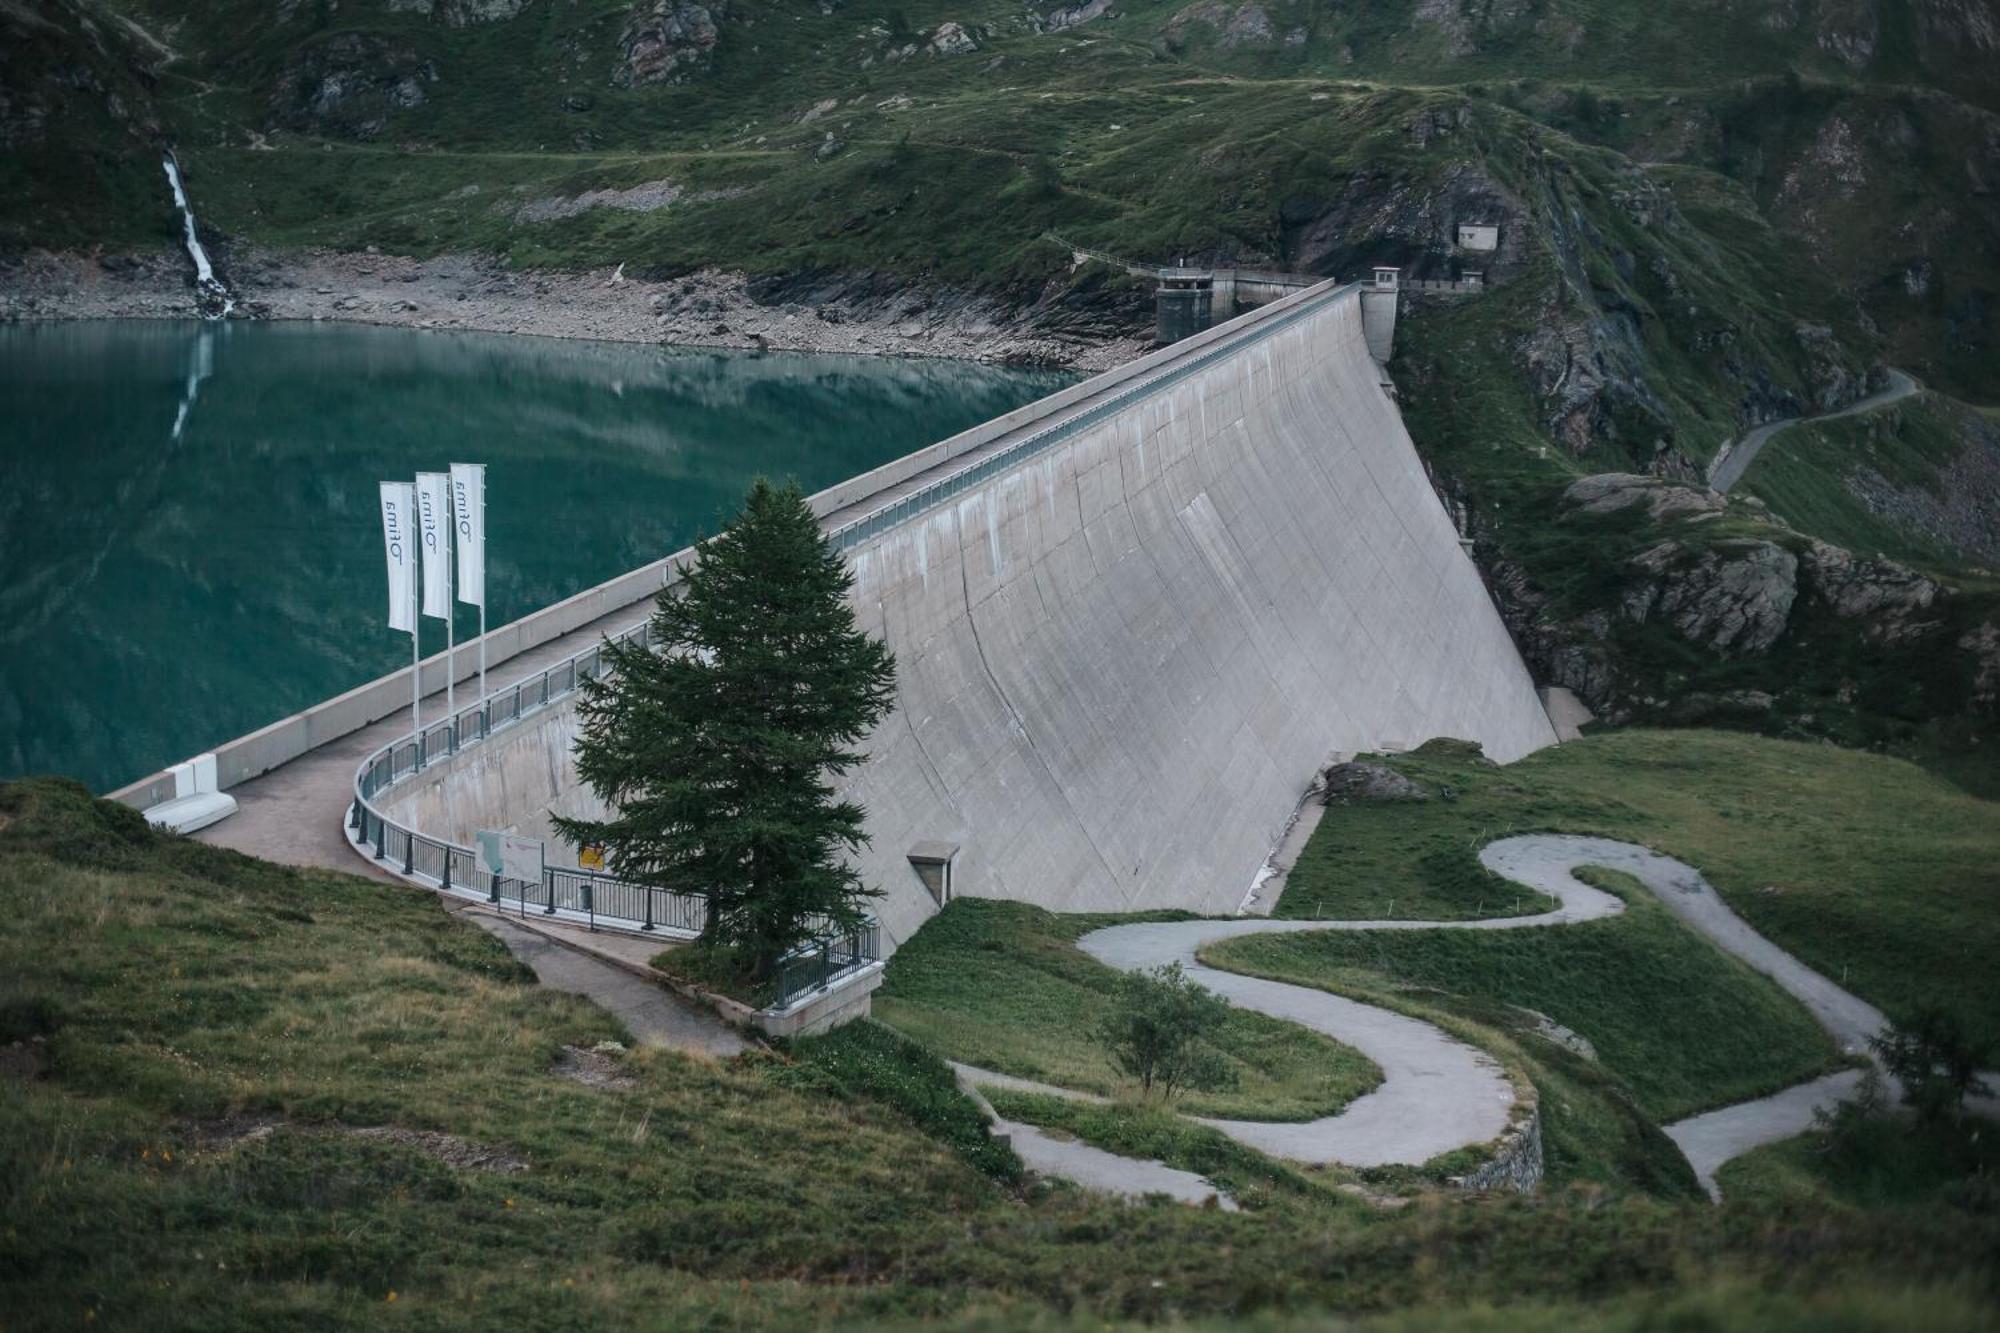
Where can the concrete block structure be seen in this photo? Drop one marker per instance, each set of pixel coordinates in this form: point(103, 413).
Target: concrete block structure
point(1122, 661)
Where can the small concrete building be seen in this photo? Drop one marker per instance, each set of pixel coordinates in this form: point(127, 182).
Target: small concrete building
point(1184, 304)
point(1481, 237)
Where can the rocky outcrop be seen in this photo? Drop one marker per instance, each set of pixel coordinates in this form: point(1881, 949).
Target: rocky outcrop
point(1074, 16)
point(461, 13)
point(1732, 598)
point(1982, 644)
point(351, 85)
point(1890, 599)
point(951, 39)
point(668, 41)
point(1360, 782)
point(1246, 25)
point(1611, 492)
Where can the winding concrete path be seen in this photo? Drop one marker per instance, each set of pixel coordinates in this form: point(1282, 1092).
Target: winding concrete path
point(1438, 1093)
point(1733, 460)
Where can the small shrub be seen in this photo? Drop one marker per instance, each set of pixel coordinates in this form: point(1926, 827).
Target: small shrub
point(1936, 1061)
point(1157, 1031)
point(868, 1060)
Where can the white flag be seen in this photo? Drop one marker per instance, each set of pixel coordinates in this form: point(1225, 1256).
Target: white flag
point(468, 506)
point(434, 531)
point(399, 503)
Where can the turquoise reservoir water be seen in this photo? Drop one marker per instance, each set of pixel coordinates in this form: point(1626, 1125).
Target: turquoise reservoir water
point(189, 541)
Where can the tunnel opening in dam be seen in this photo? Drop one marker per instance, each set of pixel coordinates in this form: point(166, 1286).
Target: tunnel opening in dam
point(1132, 623)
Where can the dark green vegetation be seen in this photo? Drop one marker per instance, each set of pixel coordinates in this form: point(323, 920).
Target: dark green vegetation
point(195, 1041)
point(1002, 985)
point(1867, 868)
point(1863, 1157)
point(1162, 1032)
point(715, 746)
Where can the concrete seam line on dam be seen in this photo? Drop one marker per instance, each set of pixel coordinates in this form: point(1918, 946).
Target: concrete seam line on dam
point(1123, 657)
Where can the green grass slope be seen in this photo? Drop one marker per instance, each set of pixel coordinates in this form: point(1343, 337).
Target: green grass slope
point(1001, 985)
point(1868, 868)
point(234, 1095)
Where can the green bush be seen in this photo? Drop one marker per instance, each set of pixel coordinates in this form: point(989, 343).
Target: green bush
point(867, 1060)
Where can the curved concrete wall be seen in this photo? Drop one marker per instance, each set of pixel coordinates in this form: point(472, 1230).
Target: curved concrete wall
point(1121, 663)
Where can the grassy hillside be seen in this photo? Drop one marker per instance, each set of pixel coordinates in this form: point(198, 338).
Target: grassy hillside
point(236, 1095)
point(1867, 868)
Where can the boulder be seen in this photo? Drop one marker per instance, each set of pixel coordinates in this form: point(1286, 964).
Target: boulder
point(1610, 492)
point(666, 42)
point(1357, 782)
point(951, 39)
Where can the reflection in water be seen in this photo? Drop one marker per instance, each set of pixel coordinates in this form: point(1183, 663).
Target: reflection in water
point(164, 590)
point(201, 364)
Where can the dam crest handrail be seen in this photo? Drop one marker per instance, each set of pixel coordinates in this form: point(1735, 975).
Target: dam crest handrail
point(596, 899)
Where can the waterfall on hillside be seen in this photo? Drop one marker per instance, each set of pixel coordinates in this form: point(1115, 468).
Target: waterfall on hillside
point(211, 297)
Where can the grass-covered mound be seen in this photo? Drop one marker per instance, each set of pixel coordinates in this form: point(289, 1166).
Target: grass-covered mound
point(1002, 985)
point(1869, 869)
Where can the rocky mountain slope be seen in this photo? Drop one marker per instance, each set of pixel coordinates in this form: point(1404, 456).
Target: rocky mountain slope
point(1701, 223)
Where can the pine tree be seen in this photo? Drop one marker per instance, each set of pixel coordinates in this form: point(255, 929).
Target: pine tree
point(714, 749)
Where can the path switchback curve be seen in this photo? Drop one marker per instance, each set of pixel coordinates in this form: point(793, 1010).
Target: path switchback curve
point(1438, 1093)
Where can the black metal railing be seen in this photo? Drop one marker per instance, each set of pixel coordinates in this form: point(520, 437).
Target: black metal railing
point(816, 966)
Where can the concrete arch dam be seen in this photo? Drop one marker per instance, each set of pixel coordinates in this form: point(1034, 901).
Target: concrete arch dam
point(1123, 658)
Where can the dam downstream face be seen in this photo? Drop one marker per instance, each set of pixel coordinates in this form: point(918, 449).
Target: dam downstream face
point(189, 541)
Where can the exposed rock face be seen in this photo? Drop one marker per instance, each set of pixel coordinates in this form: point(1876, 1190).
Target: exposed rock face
point(668, 41)
point(1610, 492)
point(1982, 644)
point(461, 13)
point(1732, 598)
point(1889, 597)
point(1358, 782)
point(1246, 25)
point(1074, 16)
point(951, 39)
point(350, 85)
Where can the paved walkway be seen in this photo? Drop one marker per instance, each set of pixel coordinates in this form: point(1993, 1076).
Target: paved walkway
point(1065, 1158)
point(1733, 460)
point(1438, 1093)
point(652, 1015)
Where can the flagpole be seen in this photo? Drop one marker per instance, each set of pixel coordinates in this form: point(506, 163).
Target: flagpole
point(482, 582)
point(451, 627)
point(416, 674)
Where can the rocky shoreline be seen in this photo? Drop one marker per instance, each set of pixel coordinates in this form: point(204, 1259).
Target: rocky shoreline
point(856, 315)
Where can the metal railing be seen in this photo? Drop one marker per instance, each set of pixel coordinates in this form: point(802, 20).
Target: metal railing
point(816, 966)
point(568, 894)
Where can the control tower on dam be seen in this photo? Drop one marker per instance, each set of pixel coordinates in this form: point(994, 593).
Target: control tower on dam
point(1129, 630)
